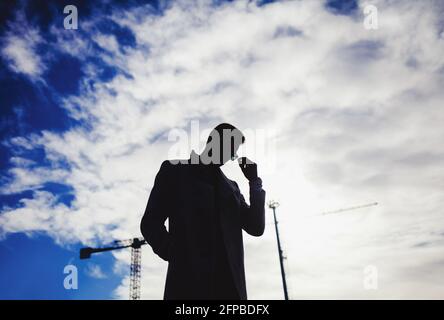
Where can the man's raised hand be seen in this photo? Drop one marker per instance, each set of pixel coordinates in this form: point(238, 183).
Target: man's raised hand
point(248, 167)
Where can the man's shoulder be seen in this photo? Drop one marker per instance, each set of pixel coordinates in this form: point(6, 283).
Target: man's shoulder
point(174, 164)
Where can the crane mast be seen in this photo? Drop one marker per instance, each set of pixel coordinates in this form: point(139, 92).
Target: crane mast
point(136, 259)
point(135, 269)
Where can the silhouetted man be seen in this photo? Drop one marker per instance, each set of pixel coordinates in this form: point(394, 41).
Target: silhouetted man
point(206, 215)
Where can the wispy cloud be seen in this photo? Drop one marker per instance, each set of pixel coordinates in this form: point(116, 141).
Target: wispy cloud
point(356, 122)
point(19, 48)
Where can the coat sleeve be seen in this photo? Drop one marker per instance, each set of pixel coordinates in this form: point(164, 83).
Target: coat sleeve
point(253, 215)
point(156, 212)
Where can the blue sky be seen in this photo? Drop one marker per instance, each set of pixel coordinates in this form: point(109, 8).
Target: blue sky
point(32, 268)
point(32, 265)
point(86, 114)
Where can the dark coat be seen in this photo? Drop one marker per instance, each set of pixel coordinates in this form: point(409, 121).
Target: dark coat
point(179, 195)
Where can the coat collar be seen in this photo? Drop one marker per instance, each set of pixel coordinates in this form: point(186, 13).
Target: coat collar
point(224, 185)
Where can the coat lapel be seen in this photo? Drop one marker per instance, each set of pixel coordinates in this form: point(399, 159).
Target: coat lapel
point(225, 190)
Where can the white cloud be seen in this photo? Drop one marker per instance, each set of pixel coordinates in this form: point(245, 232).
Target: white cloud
point(95, 271)
point(19, 48)
point(357, 115)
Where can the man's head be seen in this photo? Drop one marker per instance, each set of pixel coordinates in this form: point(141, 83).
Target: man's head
point(222, 144)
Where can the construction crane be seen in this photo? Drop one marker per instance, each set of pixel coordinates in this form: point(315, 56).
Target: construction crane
point(348, 209)
point(273, 205)
point(136, 259)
